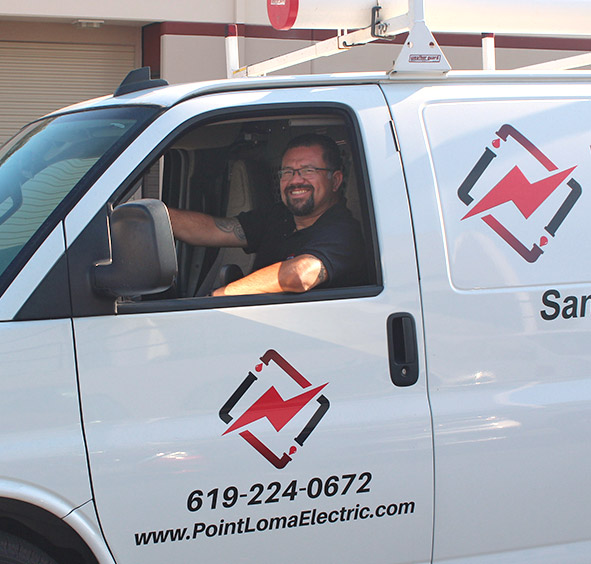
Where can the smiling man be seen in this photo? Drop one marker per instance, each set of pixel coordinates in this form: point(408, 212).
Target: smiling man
point(309, 239)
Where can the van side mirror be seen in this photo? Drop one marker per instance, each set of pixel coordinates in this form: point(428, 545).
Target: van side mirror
point(143, 256)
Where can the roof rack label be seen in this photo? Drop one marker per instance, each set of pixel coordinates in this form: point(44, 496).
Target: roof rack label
point(415, 58)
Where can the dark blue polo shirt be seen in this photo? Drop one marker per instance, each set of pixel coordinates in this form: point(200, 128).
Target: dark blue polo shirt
point(335, 238)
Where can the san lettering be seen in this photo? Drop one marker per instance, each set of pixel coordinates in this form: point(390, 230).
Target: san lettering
point(569, 307)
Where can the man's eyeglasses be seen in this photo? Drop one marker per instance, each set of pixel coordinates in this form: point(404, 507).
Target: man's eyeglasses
point(307, 172)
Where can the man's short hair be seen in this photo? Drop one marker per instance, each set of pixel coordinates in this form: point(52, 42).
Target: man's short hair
point(330, 150)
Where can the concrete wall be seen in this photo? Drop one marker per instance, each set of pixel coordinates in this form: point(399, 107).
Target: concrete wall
point(144, 11)
point(50, 32)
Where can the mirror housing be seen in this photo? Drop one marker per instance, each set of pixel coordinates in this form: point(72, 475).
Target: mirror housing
point(143, 255)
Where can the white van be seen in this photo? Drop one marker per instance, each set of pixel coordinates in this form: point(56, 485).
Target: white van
point(436, 414)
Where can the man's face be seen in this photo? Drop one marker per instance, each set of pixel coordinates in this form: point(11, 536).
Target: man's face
point(309, 196)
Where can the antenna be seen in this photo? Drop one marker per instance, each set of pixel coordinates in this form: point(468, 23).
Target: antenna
point(139, 79)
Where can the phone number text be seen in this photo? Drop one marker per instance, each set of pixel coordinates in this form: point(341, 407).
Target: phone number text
point(274, 492)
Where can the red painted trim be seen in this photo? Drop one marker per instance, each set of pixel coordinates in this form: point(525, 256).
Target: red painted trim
point(516, 42)
point(232, 30)
point(252, 31)
point(151, 48)
point(552, 43)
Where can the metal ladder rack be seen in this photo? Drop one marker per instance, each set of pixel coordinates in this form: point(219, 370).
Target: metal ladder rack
point(420, 52)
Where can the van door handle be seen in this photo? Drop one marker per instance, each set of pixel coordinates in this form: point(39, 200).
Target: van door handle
point(402, 349)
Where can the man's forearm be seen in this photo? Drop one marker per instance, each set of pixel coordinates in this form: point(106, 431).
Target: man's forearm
point(201, 229)
point(296, 275)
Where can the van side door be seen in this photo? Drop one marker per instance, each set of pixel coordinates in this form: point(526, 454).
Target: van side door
point(283, 428)
point(499, 177)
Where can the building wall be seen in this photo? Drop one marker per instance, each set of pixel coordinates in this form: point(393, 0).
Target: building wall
point(47, 62)
point(46, 66)
point(144, 11)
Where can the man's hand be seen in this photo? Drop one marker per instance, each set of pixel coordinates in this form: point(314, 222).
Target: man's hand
point(296, 275)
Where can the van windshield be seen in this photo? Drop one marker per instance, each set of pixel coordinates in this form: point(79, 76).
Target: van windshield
point(50, 163)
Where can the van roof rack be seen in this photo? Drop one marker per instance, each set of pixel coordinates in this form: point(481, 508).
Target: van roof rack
point(420, 52)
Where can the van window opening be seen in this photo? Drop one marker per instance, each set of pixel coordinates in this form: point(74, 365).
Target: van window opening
point(232, 166)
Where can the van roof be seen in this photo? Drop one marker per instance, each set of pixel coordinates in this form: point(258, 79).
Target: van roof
point(170, 95)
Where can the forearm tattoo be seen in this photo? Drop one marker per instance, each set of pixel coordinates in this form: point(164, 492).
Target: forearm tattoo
point(322, 275)
point(230, 225)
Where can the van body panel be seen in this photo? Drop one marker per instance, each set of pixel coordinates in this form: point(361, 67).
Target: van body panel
point(42, 442)
point(508, 385)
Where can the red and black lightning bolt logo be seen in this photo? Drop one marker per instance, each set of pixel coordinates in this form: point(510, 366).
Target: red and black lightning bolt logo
point(514, 187)
point(277, 410)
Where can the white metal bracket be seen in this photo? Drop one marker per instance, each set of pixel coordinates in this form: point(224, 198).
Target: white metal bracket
point(488, 51)
point(421, 52)
point(232, 50)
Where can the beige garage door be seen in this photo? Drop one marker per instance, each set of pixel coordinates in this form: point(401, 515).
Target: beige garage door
point(37, 78)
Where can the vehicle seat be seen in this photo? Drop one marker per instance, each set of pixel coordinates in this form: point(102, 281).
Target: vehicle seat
point(249, 186)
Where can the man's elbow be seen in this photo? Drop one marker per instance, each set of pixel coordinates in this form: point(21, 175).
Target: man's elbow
point(296, 284)
point(301, 274)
